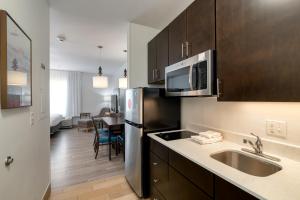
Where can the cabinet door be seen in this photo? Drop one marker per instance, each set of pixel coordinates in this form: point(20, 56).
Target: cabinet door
point(151, 61)
point(162, 54)
point(159, 175)
point(202, 178)
point(258, 50)
point(225, 190)
point(181, 188)
point(200, 26)
point(177, 39)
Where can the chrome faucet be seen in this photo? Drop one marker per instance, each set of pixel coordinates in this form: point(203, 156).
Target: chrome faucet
point(258, 144)
point(257, 148)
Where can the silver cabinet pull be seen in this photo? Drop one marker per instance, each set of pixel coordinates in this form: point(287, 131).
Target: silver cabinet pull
point(187, 49)
point(155, 180)
point(8, 161)
point(219, 88)
point(157, 73)
point(155, 163)
point(182, 46)
point(153, 74)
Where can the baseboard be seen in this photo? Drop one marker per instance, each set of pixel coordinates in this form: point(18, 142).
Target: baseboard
point(46, 196)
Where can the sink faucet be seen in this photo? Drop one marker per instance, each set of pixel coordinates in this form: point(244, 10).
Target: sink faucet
point(257, 148)
point(258, 144)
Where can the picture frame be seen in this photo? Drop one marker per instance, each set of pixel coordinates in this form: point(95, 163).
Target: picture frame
point(15, 64)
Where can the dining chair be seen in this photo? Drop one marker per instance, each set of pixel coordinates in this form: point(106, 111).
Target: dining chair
point(102, 138)
point(121, 144)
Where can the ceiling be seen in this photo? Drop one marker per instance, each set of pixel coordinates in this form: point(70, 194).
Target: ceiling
point(87, 24)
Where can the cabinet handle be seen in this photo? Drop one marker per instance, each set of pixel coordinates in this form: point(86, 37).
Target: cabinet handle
point(155, 164)
point(157, 73)
point(153, 74)
point(187, 49)
point(182, 46)
point(219, 88)
point(155, 180)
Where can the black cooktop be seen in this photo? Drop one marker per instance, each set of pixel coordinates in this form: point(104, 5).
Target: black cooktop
point(175, 135)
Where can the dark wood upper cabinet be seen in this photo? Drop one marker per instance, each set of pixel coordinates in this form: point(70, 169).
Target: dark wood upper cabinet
point(158, 59)
point(151, 61)
point(162, 54)
point(258, 50)
point(200, 26)
point(177, 39)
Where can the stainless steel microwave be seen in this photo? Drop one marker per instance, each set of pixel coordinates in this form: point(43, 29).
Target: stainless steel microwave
point(194, 76)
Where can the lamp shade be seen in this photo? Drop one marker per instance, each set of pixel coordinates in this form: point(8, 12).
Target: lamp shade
point(123, 83)
point(16, 78)
point(100, 82)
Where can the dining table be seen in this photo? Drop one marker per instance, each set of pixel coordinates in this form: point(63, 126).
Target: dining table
point(113, 124)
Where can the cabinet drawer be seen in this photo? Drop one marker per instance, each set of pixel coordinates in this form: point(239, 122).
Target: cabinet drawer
point(159, 174)
point(196, 174)
point(181, 188)
point(155, 195)
point(225, 190)
point(160, 150)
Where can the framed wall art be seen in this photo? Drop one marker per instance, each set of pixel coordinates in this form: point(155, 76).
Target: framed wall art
point(15, 64)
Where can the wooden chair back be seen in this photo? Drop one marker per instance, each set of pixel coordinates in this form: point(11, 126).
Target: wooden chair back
point(96, 130)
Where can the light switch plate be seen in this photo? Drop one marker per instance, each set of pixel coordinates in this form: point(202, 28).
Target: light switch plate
point(276, 128)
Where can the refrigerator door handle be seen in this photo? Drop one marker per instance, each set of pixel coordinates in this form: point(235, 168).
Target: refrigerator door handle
point(134, 124)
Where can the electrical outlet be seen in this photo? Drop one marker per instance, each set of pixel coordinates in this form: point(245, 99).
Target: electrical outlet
point(276, 128)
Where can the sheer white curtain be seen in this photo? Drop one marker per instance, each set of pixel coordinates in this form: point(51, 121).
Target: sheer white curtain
point(65, 93)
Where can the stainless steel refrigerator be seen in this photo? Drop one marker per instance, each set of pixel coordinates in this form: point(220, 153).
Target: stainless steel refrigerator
point(147, 110)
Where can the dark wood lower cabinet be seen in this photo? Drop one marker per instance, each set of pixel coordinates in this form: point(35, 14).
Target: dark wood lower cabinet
point(155, 195)
point(174, 177)
point(181, 188)
point(159, 174)
point(225, 190)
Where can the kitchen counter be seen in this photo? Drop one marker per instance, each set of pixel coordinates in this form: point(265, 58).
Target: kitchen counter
point(283, 185)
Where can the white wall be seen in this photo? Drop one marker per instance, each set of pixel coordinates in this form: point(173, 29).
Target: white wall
point(242, 117)
point(138, 38)
point(29, 175)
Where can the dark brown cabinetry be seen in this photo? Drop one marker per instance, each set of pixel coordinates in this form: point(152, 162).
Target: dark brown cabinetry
point(158, 51)
point(225, 190)
point(191, 33)
point(177, 39)
point(174, 177)
point(200, 27)
point(151, 61)
point(185, 189)
point(202, 178)
point(258, 51)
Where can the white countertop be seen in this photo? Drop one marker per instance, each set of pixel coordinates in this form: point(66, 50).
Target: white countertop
point(283, 185)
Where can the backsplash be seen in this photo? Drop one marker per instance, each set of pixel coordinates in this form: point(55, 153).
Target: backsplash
point(238, 119)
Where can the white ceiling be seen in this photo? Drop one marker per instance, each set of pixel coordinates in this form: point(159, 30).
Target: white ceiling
point(88, 23)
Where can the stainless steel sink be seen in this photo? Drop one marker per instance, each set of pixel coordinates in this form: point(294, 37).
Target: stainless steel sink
point(247, 163)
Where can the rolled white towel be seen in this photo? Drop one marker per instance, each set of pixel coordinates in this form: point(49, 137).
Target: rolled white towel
point(210, 134)
point(202, 140)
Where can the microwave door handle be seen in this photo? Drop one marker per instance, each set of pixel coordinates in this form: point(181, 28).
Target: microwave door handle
point(190, 77)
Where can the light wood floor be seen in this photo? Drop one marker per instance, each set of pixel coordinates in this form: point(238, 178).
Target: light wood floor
point(113, 188)
point(72, 159)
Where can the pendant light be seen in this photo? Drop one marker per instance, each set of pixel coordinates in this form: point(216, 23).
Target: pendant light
point(100, 81)
point(15, 77)
point(123, 81)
